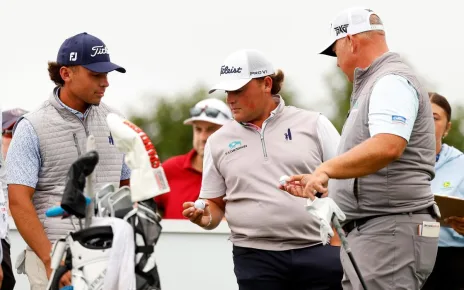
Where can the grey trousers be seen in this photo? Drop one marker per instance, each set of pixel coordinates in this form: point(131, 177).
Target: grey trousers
point(390, 254)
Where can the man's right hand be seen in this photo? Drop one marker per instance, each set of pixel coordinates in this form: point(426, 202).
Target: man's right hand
point(65, 279)
point(197, 216)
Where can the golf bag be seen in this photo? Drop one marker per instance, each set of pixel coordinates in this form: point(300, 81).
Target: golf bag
point(147, 229)
point(86, 257)
point(87, 251)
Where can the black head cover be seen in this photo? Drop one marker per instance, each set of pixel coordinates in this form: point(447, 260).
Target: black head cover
point(73, 200)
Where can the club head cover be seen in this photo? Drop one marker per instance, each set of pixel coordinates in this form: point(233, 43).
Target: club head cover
point(323, 209)
point(73, 200)
point(147, 175)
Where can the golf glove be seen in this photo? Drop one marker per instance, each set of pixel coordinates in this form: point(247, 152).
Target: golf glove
point(323, 209)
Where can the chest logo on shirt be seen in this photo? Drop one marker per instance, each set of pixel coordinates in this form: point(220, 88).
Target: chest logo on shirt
point(235, 146)
point(110, 139)
point(446, 185)
point(288, 135)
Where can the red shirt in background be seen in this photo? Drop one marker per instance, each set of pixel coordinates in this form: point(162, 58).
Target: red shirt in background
point(185, 184)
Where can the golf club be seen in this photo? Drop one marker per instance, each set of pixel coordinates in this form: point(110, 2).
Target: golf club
point(89, 185)
point(347, 249)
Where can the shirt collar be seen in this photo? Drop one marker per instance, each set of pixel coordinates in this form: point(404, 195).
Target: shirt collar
point(188, 160)
point(280, 106)
point(81, 116)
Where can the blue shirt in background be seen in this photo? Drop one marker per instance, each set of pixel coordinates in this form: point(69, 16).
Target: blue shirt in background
point(449, 181)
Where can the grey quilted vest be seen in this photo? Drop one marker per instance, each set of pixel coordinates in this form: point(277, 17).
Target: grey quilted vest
point(403, 185)
point(63, 138)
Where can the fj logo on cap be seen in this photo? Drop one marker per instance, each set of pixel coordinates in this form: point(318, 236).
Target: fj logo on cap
point(100, 49)
point(73, 56)
point(341, 29)
point(226, 70)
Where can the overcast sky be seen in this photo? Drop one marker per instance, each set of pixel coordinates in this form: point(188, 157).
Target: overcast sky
point(170, 46)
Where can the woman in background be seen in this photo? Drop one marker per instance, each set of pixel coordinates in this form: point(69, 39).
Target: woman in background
point(448, 272)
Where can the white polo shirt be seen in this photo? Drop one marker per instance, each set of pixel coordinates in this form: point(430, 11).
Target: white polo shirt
point(393, 107)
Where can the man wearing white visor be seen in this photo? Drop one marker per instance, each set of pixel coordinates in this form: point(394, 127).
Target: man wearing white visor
point(184, 172)
point(381, 176)
point(276, 244)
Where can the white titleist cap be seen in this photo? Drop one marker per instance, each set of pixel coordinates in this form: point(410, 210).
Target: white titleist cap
point(240, 68)
point(210, 110)
point(351, 21)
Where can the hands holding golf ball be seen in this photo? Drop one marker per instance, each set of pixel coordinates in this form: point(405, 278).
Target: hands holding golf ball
point(198, 212)
point(305, 185)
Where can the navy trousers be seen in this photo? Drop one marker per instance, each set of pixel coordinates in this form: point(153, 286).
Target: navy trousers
point(312, 268)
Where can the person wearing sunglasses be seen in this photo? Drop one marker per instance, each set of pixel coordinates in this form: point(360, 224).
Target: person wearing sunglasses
point(184, 172)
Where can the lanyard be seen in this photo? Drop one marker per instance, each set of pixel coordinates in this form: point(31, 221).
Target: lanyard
point(438, 155)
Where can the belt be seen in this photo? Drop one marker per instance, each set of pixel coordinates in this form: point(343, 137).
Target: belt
point(359, 222)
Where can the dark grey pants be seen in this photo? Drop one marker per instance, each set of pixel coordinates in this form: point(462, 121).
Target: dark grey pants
point(390, 253)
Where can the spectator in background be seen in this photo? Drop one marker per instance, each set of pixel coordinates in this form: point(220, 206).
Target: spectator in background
point(449, 180)
point(184, 172)
point(9, 119)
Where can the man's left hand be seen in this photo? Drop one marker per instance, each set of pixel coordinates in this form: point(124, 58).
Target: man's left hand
point(307, 185)
point(457, 223)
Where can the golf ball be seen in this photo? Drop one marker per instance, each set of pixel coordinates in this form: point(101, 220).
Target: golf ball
point(200, 204)
point(283, 179)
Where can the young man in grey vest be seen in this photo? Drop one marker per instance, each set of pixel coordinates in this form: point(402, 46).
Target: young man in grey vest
point(48, 140)
point(276, 243)
point(381, 178)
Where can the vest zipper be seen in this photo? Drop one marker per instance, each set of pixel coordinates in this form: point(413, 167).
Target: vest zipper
point(83, 124)
point(263, 144)
point(261, 135)
point(77, 145)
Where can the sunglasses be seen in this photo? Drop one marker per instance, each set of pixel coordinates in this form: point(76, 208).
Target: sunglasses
point(7, 133)
point(210, 112)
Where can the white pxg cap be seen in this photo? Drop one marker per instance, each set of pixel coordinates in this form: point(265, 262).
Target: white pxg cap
point(210, 110)
point(240, 68)
point(351, 21)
